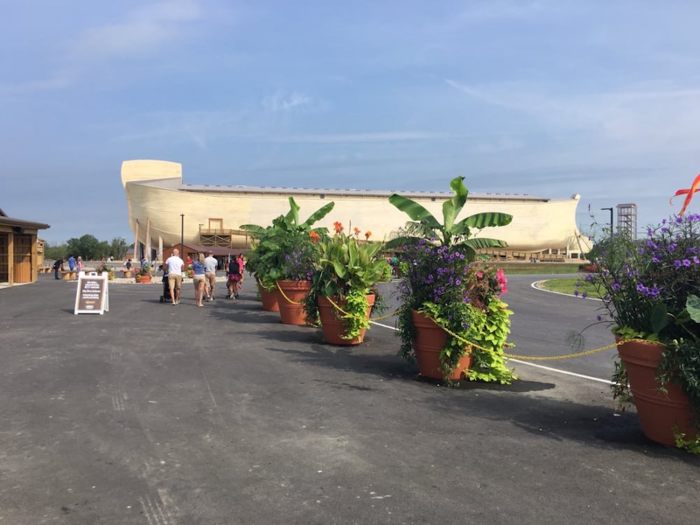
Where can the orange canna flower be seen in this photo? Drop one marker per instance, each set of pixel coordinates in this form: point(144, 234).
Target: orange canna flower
point(688, 194)
point(357, 231)
point(315, 237)
point(338, 227)
point(368, 234)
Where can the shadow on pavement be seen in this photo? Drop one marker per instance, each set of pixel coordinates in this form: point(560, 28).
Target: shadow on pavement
point(560, 420)
point(353, 359)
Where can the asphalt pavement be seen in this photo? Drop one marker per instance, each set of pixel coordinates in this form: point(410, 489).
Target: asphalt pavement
point(161, 414)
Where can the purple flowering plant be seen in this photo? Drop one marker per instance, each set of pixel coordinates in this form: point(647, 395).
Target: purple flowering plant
point(299, 263)
point(650, 286)
point(443, 280)
point(465, 298)
point(651, 290)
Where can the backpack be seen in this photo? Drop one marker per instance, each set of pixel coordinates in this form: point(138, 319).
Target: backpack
point(234, 267)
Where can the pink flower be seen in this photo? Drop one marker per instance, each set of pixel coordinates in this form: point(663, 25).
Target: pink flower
point(502, 281)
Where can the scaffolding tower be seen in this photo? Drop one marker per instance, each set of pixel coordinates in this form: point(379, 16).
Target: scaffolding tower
point(627, 219)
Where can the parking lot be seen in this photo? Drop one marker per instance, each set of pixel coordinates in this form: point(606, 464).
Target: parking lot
point(161, 414)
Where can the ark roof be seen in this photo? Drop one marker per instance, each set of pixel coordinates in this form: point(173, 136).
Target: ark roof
point(206, 188)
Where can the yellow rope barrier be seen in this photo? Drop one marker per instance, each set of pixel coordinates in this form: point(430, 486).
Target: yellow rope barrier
point(533, 358)
point(359, 317)
point(474, 345)
point(510, 356)
point(548, 358)
point(285, 295)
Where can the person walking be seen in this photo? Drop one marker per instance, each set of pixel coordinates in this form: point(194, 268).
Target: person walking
point(58, 266)
point(241, 266)
point(234, 276)
point(211, 264)
point(199, 278)
point(175, 267)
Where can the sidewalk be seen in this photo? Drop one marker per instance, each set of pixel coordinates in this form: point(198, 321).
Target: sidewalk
point(154, 414)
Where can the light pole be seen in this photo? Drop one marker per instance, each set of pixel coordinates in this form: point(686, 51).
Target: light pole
point(182, 232)
point(611, 219)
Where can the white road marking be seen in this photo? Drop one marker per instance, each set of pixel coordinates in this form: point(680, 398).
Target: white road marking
point(156, 510)
point(560, 371)
point(118, 400)
point(383, 325)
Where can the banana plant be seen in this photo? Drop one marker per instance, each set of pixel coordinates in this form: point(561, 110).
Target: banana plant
point(450, 232)
point(289, 223)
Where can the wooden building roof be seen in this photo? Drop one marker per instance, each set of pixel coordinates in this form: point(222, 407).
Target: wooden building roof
point(21, 223)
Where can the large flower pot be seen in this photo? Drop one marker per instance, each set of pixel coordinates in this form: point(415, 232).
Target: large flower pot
point(142, 279)
point(333, 325)
point(658, 412)
point(290, 296)
point(429, 342)
point(269, 299)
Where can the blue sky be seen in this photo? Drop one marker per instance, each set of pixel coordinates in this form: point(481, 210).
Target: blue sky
point(548, 98)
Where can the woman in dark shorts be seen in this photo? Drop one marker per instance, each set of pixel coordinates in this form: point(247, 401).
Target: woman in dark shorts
point(234, 277)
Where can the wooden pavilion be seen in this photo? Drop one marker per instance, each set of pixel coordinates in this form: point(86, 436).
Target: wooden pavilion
point(19, 251)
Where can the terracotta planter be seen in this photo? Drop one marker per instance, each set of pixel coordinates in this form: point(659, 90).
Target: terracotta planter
point(429, 342)
point(658, 412)
point(127, 274)
point(292, 306)
point(143, 278)
point(269, 299)
point(333, 328)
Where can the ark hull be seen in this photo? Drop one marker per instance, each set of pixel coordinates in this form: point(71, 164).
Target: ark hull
point(156, 198)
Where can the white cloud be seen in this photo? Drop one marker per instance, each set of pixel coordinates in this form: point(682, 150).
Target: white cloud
point(59, 81)
point(493, 9)
point(392, 136)
point(650, 116)
point(281, 102)
point(143, 31)
point(197, 127)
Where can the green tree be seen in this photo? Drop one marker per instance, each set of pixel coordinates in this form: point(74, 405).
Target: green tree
point(118, 248)
point(57, 251)
point(87, 246)
point(103, 250)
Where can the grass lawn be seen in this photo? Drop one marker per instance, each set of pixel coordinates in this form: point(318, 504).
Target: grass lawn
point(536, 268)
point(568, 286)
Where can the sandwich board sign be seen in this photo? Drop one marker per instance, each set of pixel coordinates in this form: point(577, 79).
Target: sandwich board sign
point(92, 296)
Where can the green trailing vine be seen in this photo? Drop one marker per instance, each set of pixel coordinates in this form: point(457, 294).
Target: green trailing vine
point(356, 307)
point(689, 445)
point(491, 332)
point(488, 329)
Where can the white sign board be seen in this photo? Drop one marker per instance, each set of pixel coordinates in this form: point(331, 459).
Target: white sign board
point(92, 296)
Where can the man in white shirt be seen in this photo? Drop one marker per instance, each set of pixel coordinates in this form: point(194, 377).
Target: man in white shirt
point(211, 264)
point(174, 265)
